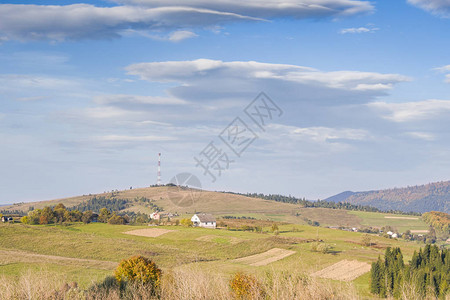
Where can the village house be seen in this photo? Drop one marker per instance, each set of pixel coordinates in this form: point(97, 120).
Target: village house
point(204, 220)
point(155, 216)
point(6, 219)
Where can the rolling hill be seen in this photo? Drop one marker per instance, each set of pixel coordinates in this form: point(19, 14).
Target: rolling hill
point(423, 198)
point(186, 201)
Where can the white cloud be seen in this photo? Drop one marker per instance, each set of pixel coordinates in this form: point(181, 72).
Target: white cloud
point(128, 138)
point(39, 87)
point(180, 35)
point(421, 135)
point(438, 7)
point(84, 21)
point(199, 73)
point(106, 112)
point(135, 99)
point(12, 81)
point(358, 30)
point(36, 98)
point(444, 69)
point(412, 111)
point(269, 9)
point(321, 134)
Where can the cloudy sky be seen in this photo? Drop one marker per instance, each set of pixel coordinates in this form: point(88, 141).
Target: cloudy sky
point(92, 91)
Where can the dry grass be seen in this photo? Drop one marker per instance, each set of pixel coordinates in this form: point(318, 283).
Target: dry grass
point(8, 256)
point(183, 284)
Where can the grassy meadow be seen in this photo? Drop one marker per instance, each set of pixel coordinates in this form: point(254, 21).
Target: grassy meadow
point(87, 253)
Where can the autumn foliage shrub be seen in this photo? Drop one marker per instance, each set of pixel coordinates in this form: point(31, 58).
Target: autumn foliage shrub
point(138, 269)
point(246, 287)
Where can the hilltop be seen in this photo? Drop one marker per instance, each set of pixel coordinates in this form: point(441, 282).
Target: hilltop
point(422, 198)
point(172, 198)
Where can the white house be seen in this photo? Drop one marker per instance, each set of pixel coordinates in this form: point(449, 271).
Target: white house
point(204, 220)
point(155, 216)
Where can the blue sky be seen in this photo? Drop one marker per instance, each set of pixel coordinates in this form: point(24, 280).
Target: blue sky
point(92, 91)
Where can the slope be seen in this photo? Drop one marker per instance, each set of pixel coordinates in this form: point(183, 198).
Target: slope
point(422, 198)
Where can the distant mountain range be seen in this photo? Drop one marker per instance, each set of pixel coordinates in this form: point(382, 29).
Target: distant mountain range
point(428, 197)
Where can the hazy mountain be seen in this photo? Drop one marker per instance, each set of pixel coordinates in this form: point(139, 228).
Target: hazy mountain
point(429, 197)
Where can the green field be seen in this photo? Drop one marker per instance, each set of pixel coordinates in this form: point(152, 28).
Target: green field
point(86, 253)
point(400, 222)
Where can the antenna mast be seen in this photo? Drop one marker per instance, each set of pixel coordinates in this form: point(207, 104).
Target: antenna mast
point(159, 170)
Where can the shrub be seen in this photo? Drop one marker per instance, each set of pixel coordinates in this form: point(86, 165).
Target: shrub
point(366, 240)
point(186, 222)
point(314, 246)
point(117, 220)
point(320, 247)
point(139, 269)
point(324, 248)
point(246, 286)
point(274, 227)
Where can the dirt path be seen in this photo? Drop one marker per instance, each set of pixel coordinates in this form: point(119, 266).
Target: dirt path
point(345, 270)
point(265, 258)
point(401, 218)
point(16, 256)
point(150, 232)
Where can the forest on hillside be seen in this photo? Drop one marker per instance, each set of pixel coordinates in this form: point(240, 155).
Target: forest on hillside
point(420, 198)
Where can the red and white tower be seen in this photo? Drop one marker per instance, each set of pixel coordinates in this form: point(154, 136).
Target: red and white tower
point(158, 182)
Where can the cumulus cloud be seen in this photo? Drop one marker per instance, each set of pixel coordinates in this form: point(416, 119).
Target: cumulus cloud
point(204, 78)
point(298, 9)
point(358, 30)
point(438, 7)
point(412, 111)
point(84, 21)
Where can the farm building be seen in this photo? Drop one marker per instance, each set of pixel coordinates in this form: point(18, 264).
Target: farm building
point(204, 220)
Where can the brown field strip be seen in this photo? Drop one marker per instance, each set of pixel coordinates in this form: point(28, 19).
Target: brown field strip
point(401, 218)
point(18, 256)
point(151, 232)
point(265, 258)
point(345, 270)
point(419, 231)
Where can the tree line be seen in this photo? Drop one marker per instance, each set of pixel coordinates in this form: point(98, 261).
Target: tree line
point(321, 203)
point(427, 275)
point(60, 214)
